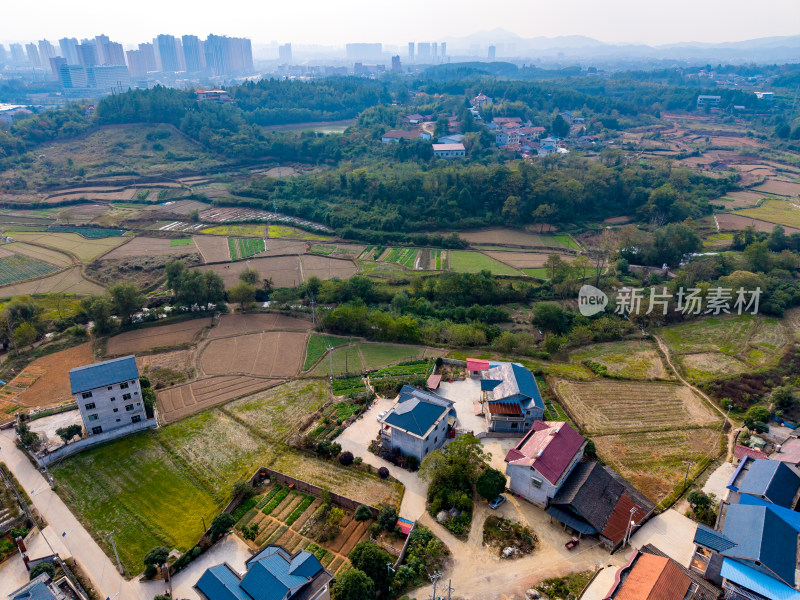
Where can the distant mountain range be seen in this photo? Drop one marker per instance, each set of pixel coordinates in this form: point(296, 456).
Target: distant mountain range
point(511, 45)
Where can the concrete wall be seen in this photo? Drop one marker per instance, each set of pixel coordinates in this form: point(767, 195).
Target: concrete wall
point(414, 446)
point(111, 409)
point(522, 483)
point(94, 440)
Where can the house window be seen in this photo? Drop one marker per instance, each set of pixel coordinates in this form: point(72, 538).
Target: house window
point(514, 425)
point(112, 399)
point(136, 419)
point(436, 439)
point(118, 420)
point(89, 406)
point(129, 407)
point(92, 417)
point(536, 482)
point(86, 395)
point(97, 429)
point(135, 393)
point(116, 410)
point(123, 386)
point(111, 387)
point(126, 396)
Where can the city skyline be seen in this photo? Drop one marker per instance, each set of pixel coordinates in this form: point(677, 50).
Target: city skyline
point(351, 21)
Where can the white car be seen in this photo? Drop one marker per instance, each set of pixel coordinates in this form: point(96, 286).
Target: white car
point(381, 415)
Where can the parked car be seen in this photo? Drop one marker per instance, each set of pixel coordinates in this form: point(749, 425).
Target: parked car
point(572, 543)
point(497, 502)
point(381, 415)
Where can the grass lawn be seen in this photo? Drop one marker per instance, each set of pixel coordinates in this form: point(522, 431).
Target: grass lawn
point(318, 345)
point(380, 355)
point(181, 242)
point(284, 231)
point(783, 212)
point(244, 230)
point(563, 240)
point(464, 261)
point(345, 360)
point(538, 272)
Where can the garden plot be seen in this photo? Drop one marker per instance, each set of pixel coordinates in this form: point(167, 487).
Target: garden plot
point(327, 268)
point(148, 246)
point(51, 385)
point(655, 462)
point(44, 254)
point(68, 281)
point(524, 260)
point(238, 324)
point(266, 354)
point(85, 249)
point(184, 400)
point(167, 368)
point(148, 339)
point(280, 411)
point(638, 359)
point(214, 249)
point(19, 267)
point(605, 407)
point(241, 248)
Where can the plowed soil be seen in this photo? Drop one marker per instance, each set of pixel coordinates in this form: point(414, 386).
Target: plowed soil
point(269, 354)
point(326, 268)
point(214, 248)
point(52, 386)
point(183, 400)
point(161, 336)
point(237, 324)
point(146, 246)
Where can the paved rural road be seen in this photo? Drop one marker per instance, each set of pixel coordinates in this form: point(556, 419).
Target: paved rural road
point(103, 574)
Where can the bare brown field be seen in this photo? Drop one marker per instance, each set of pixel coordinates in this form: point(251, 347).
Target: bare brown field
point(160, 336)
point(710, 365)
point(655, 462)
point(284, 270)
point(52, 387)
point(147, 246)
point(326, 268)
point(213, 248)
point(92, 194)
point(181, 207)
point(85, 249)
point(238, 324)
point(180, 401)
point(502, 236)
point(82, 213)
point(605, 407)
point(729, 221)
point(68, 281)
point(741, 199)
point(269, 354)
point(779, 187)
point(618, 220)
point(53, 257)
point(277, 246)
point(176, 360)
point(524, 260)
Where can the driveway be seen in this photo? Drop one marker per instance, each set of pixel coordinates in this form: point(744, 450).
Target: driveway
point(46, 427)
point(357, 438)
point(464, 394)
point(670, 532)
point(717, 482)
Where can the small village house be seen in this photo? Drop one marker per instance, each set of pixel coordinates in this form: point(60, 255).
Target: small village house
point(511, 398)
point(419, 422)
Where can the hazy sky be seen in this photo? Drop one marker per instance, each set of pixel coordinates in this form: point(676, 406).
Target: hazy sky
point(335, 22)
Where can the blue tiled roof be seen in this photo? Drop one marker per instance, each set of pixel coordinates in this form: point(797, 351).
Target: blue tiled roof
point(710, 538)
point(305, 564)
point(103, 373)
point(760, 534)
point(755, 580)
point(269, 578)
point(487, 385)
point(415, 415)
point(771, 479)
point(516, 381)
point(34, 590)
point(220, 583)
point(791, 517)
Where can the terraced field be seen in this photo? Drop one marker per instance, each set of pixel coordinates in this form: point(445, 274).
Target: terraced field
point(18, 267)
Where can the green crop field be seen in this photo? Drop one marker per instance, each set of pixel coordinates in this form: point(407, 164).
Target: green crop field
point(181, 242)
point(155, 488)
point(284, 231)
point(463, 261)
point(344, 360)
point(245, 247)
point(19, 267)
point(88, 232)
point(380, 355)
point(243, 230)
point(403, 256)
point(782, 212)
point(564, 241)
point(318, 345)
point(538, 272)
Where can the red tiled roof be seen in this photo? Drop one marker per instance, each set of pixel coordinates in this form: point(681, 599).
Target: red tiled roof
point(617, 523)
point(654, 578)
point(549, 447)
point(740, 452)
point(476, 364)
point(504, 408)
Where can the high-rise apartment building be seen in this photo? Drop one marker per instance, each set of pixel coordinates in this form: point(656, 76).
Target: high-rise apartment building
point(46, 52)
point(55, 64)
point(411, 51)
point(444, 50)
point(18, 54)
point(87, 55)
point(364, 51)
point(3, 56)
point(423, 52)
point(100, 42)
point(492, 52)
point(109, 78)
point(33, 55)
point(72, 76)
point(225, 56)
point(136, 63)
point(168, 53)
point(396, 66)
point(435, 52)
point(114, 54)
point(192, 53)
point(149, 56)
point(285, 54)
point(69, 50)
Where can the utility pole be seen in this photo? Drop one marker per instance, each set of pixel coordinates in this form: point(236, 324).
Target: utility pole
point(114, 547)
point(434, 579)
point(330, 355)
point(313, 315)
point(686, 477)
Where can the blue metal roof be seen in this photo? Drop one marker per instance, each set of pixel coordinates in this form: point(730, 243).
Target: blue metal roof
point(516, 381)
point(103, 373)
point(269, 578)
point(220, 583)
point(35, 590)
point(791, 517)
point(755, 580)
point(487, 385)
point(771, 479)
point(760, 534)
point(417, 411)
point(305, 564)
point(710, 538)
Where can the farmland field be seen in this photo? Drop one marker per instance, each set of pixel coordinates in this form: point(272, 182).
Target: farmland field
point(380, 355)
point(160, 336)
point(606, 407)
point(464, 261)
point(514, 237)
point(736, 222)
point(180, 401)
point(19, 267)
point(740, 199)
point(266, 354)
point(91, 233)
point(181, 242)
point(524, 260)
point(245, 247)
point(149, 246)
point(238, 324)
point(782, 212)
point(244, 230)
point(318, 345)
point(154, 488)
point(51, 386)
point(344, 359)
point(710, 365)
point(213, 248)
point(85, 250)
point(779, 187)
point(68, 281)
point(628, 359)
point(402, 256)
point(326, 268)
point(284, 231)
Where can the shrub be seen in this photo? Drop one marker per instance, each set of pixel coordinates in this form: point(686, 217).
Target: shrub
point(383, 473)
point(221, 523)
point(387, 518)
point(346, 458)
point(150, 571)
point(357, 461)
point(42, 567)
point(412, 462)
point(156, 556)
point(363, 513)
